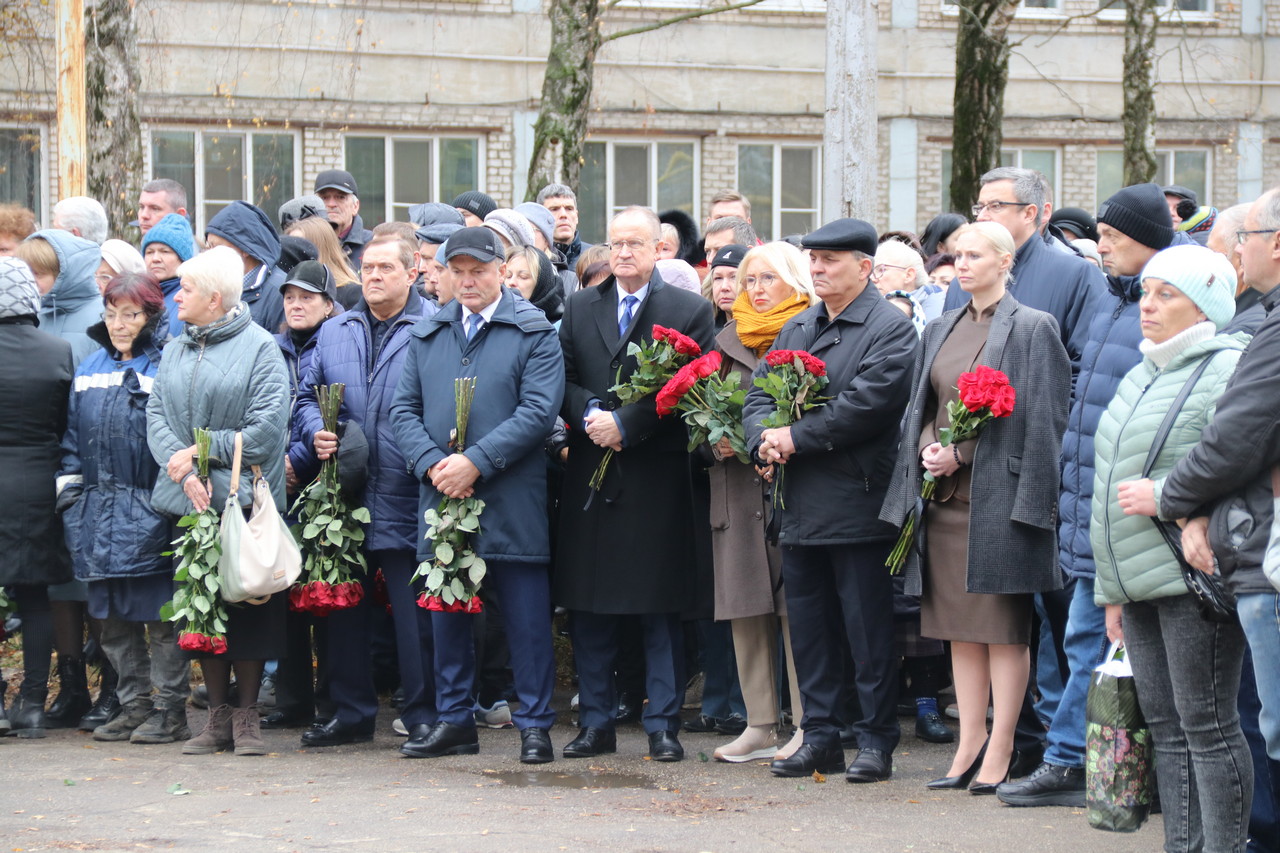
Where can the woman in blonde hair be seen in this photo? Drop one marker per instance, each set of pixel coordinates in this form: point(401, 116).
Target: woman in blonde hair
point(773, 286)
point(983, 560)
point(323, 237)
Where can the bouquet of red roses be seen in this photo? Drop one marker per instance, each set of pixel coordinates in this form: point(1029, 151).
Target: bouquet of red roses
point(657, 360)
point(793, 381)
point(710, 404)
point(985, 394)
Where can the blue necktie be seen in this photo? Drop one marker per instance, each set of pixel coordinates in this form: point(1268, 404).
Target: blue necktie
point(628, 312)
point(473, 324)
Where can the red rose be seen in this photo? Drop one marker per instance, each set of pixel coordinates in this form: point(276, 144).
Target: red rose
point(707, 365)
point(218, 645)
point(686, 345)
point(431, 602)
point(661, 333)
point(475, 605)
point(192, 642)
point(1002, 405)
point(665, 402)
point(779, 357)
point(813, 364)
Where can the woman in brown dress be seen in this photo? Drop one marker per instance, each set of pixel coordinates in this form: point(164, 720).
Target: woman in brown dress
point(990, 527)
point(773, 286)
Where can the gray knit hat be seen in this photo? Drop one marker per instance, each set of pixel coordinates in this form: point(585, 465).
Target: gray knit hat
point(19, 295)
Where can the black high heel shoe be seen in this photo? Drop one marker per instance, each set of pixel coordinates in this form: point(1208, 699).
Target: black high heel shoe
point(962, 781)
point(985, 788)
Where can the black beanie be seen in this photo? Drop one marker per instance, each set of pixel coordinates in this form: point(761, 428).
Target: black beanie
point(1140, 212)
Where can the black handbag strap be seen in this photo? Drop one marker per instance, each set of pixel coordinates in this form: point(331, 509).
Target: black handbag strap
point(1166, 426)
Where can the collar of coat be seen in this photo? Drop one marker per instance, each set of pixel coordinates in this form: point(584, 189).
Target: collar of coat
point(1270, 298)
point(997, 335)
point(413, 311)
point(513, 310)
point(855, 313)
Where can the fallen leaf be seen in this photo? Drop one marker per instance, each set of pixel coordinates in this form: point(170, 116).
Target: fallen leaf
point(702, 756)
point(818, 777)
point(177, 790)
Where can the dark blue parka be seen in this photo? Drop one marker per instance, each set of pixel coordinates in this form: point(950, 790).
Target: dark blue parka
point(301, 454)
point(111, 529)
point(250, 230)
point(343, 353)
point(519, 372)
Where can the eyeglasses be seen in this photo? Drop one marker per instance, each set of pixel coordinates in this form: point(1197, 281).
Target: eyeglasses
point(630, 245)
point(1242, 236)
point(110, 317)
point(879, 269)
point(978, 208)
point(765, 280)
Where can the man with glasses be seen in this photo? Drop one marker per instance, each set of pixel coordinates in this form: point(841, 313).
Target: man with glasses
point(1061, 284)
point(627, 548)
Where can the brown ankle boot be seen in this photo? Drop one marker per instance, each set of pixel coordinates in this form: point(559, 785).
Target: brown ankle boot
point(216, 735)
point(247, 728)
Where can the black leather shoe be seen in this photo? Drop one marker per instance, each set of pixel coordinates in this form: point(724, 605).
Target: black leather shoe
point(285, 720)
point(929, 727)
point(732, 725)
point(1050, 785)
point(1025, 761)
point(535, 746)
point(871, 765)
point(702, 723)
point(336, 733)
point(808, 759)
point(630, 706)
point(591, 742)
point(665, 746)
point(848, 738)
point(104, 710)
point(443, 739)
point(955, 783)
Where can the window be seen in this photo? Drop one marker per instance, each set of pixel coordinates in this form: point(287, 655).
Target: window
point(784, 185)
point(221, 166)
point(395, 172)
point(21, 175)
point(660, 175)
point(1043, 160)
point(817, 7)
point(1193, 9)
point(1026, 9)
point(1187, 167)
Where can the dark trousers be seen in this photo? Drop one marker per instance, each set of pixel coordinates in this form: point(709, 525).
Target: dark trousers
point(413, 637)
point(595, 648)
point(1264, 817)
point(525, 589)
point(355, 702)
point(833, 590)
point(298, 684)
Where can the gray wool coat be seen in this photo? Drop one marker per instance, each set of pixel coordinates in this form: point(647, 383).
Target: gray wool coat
point(1014, 511)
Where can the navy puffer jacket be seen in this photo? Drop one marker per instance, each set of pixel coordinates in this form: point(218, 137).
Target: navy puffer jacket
point(343, 353)
point(301, 454)
point(111, 529)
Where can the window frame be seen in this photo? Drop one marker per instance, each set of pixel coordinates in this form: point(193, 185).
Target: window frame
point(651, 143)
point(1162, 153)
point(389, 138)
point(776, 208)
point(1023, 12)
point(1111, 13)
point(944, 191)
point(44, 214)
point(196, 199)
point(804, 7)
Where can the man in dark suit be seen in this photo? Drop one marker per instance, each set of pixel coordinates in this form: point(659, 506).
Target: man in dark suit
point(838, 460)
point(628, 548)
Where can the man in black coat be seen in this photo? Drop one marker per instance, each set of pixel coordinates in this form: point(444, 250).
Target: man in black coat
point(628, 548)
point(838, 460)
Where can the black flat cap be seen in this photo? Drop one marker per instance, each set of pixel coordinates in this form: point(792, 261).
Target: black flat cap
point(843, 235)
point(729, 256)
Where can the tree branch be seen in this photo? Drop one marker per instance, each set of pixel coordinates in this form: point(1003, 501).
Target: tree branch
point(698, 13)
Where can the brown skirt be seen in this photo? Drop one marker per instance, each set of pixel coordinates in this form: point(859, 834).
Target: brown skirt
point(948, 611)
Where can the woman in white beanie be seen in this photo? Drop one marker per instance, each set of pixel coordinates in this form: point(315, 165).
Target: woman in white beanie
point(1187, 669)
point(118, 257)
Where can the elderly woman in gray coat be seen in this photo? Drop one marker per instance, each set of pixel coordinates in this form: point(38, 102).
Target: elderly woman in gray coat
point(224, 373)
point(990, 525)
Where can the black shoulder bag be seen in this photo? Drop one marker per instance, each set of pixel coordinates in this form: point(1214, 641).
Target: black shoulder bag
point(1217, 603)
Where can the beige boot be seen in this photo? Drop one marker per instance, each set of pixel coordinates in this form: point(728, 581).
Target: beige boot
point(216, 735)
point(755, 743)
point(247, 727)
point(792, 745)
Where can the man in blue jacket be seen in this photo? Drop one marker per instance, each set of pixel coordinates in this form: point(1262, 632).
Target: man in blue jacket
point(365, 349)
point(249, 231)
point(488, 332)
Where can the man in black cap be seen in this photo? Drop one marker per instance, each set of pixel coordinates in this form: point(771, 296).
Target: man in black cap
point(837, 460)
point(338, 191)
point(474, 207)
point(1076, 223)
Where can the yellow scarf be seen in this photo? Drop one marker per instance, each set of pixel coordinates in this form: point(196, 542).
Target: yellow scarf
point(758, 331)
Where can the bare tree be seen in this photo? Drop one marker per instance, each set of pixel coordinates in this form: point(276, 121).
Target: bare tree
point(576, 37)
point(111, 88)
point(1138, 82)
point(982, 72)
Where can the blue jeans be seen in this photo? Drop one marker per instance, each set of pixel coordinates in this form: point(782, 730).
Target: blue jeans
point(721, 694)
point(1086, 644)
point(1260, 618)
point(1187, 672)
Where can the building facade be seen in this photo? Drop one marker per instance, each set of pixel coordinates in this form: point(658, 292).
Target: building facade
point(423, 100)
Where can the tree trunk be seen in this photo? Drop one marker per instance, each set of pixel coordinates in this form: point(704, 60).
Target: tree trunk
point(112, 82)
point(561, 128)
point(1139, 84)
point(849, 139)
point(982, 71)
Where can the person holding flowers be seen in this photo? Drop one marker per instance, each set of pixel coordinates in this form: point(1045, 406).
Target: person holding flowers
point(834, 456)
point(223, 374)
point(510, 348)
point(628, 547)
point(989, 508)
point(773, 285)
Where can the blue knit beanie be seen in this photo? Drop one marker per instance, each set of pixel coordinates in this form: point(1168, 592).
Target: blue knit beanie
point(173, 231)
point(1204, 276)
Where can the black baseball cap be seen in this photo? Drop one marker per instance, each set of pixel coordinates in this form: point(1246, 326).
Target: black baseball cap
point(483, 244)
point(336, 179)
point(312, 276)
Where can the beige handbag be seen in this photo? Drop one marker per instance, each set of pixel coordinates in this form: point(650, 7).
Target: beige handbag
point(259, 556)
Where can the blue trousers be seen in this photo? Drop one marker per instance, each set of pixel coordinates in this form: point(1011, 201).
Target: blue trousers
point(1264, 817)
point(351, 690)
point(1085, 645)
point(595, 646)
point(525, 592)
point(413, 631)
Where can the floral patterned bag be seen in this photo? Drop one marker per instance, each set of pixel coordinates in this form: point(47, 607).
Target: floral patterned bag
point(1119, 756)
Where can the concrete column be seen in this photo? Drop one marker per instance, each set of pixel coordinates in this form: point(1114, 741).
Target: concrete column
point(1249, 140)
point(904, 154)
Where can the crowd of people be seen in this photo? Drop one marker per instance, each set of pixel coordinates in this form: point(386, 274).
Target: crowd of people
point(1138, 341)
